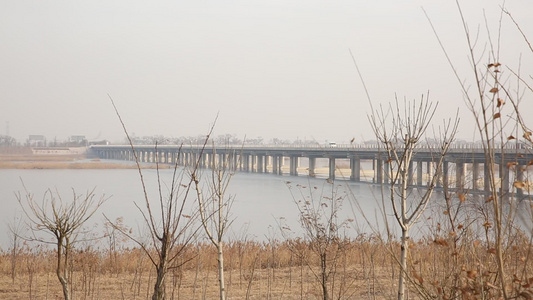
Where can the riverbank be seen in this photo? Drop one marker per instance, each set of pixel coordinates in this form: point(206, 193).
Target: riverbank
point(77, 161)
point(81, 161)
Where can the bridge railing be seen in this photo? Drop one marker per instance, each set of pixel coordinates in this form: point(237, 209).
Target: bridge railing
point(477, 147)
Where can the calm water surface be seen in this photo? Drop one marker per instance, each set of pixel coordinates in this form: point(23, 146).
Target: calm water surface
point(261, 199)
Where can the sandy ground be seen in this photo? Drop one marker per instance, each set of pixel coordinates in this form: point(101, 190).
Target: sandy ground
point(63, 162)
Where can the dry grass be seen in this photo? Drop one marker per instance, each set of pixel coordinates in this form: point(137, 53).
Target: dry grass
point(270, 270)
point(261, 270)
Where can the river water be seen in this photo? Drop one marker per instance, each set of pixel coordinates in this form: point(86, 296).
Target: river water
point(260, 199)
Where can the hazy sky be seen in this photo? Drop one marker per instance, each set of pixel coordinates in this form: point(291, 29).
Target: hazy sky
point(270, 68)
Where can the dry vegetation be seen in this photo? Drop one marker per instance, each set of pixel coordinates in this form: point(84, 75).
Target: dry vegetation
point(271, 270)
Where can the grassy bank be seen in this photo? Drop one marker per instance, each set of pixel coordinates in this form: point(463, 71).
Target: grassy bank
point(268, 270)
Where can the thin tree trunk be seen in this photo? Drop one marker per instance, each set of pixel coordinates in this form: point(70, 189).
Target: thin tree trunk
point(222, 285)
point(60, 275)
point(159, 287)
point(323, 262)
point(403, 263)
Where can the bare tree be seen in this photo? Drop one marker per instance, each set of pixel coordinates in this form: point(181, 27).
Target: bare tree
point(400, 131)
point(16, 230)
point(324, 233)
point(215, 206)
point(501, 128)
point(63, 220)
point(170, 224)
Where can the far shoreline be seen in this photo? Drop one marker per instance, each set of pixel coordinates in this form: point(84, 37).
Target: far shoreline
point(53, 162)
point(82, 161)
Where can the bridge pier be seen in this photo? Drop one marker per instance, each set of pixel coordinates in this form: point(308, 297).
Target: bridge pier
point(410, 174)
point(254, 163)
point(419, 166)
point(281, 159)
point(444, 174)
point(486, 174)
point(247, 162)
point(355, 167)
point(312, 166)
point(265, 163)
point(332, 168)
point(460, 175)
point(378, 170)
point(293, 166)
point(260, 164)
point(475, 175)
point(520, 178)
point(275, 168)
point(387, 171)
point(504, 178)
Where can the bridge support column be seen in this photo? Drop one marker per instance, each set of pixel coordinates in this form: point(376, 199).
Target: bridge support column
point(293, 168)
point(254, 163)
point(250, 163)
point(419, 165)
point(279, 165)
point(188, 159)
point(332, 168)
point(387, 172)
point(232, 161)
point(203, 159)
point(430, 174)
point(445, 174)
point(246, 163)
point(275, 167)
point(460, 175)
point(222, 160)
point(520, 178)
point(266, 160)
point(410, 174)
point(378, 170)
point(260, 164)
point(504, 178)
point(475, 175)
point(179, 158)
point(355, 166)
point(212, 160)
point(312, 166)
point(486, 181)
point(192, 158)
point(171, 157)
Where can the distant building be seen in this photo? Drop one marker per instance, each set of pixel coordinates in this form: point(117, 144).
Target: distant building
point(77, 140)
point(102, 142)
point(36, 140)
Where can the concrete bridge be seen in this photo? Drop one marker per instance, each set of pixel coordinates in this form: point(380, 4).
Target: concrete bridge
point(464, 167)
